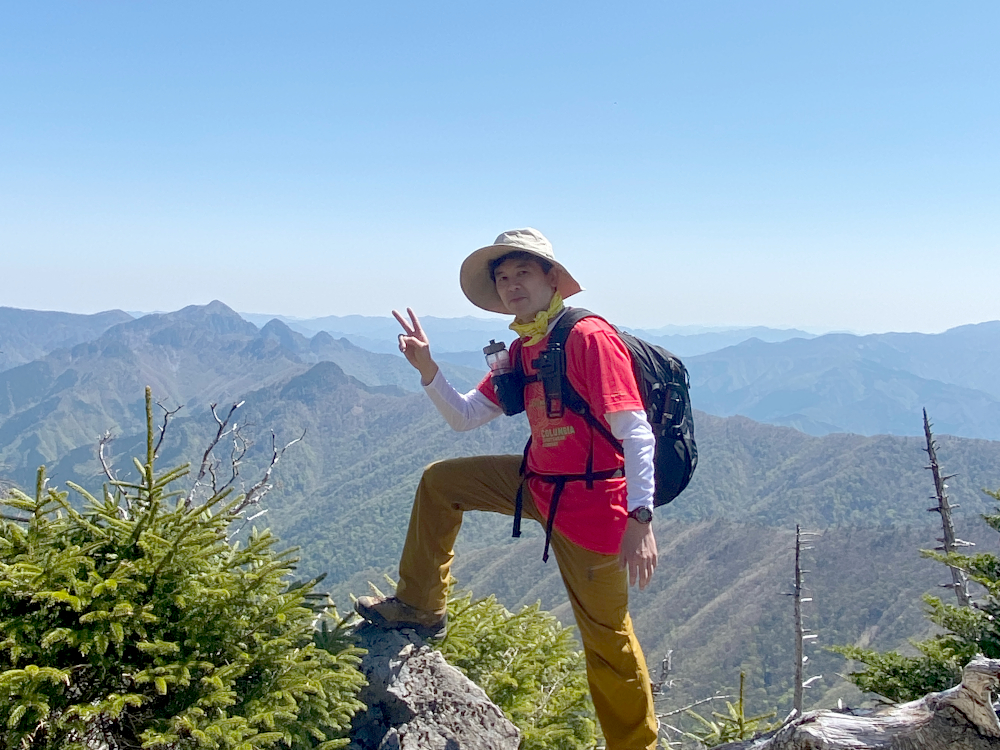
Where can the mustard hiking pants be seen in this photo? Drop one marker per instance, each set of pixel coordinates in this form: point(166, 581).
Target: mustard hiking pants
point(597, 588)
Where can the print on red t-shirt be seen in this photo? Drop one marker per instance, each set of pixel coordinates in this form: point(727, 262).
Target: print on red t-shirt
point(600, 369)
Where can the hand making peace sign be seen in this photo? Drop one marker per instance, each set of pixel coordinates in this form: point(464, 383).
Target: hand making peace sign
point(414, 345)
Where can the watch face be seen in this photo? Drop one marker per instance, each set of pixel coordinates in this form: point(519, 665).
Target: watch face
point(642, 515)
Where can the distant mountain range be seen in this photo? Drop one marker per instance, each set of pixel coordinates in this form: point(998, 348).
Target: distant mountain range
point(26, 335)
point(462, 339)
point(818, 384)
point(343, 494)
point(862, 384)
point(61, 402)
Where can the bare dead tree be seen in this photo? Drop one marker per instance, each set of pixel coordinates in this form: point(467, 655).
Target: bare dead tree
point(227, 429)
point(802, 634)
point(949, 543)
point(218, 476)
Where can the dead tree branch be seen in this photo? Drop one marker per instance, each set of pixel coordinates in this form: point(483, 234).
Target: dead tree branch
point(802, 634)
point(207, 464)
point(695, 704)
point(102, 442)
point(241, 445)
point(257, 492)
point(167, 414)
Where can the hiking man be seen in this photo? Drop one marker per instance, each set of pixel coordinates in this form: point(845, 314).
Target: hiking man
point(602, 535)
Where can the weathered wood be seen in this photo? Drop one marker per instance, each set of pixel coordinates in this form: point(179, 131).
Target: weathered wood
point(961, 718)
point(801, 633)
point(800, 630)
point(949, 544)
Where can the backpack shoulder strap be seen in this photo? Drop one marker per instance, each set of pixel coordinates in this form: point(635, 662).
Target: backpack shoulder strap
point(572, 316)
point(559, 334)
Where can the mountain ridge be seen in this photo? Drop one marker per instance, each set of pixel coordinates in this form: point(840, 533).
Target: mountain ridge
point(343, 493)
point(26, 335)
point(866, 385)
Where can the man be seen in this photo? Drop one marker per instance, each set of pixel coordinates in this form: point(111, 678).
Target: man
point(602, 537)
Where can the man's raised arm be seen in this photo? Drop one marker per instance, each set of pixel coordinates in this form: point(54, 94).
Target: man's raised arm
point(461, 411)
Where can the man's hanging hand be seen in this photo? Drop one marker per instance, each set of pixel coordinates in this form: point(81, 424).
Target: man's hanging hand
point(638, 553)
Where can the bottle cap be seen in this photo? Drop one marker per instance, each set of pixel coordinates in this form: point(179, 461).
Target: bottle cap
point(494, 347)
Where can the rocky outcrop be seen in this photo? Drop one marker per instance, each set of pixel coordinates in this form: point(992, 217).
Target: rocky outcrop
point(961, 718)
point(417, 701)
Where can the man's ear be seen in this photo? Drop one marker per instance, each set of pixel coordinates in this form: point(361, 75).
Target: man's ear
point(554, 276)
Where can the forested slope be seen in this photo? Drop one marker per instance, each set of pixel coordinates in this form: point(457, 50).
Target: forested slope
point(343, 493)
point(862, 384)
point(718, 601)
point(55, 408)
point(27, 335)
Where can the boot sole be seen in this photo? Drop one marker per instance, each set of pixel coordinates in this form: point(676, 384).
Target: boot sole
point(434, 632)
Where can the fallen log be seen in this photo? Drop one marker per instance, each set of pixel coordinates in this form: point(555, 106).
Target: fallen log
point(961, 718)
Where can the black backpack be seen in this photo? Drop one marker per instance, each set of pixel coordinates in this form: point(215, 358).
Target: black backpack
point(664, 387)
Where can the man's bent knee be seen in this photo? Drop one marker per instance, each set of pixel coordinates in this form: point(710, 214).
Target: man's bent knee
point(435, 474)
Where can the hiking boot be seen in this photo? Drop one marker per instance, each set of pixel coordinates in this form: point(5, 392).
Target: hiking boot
point(390, 613)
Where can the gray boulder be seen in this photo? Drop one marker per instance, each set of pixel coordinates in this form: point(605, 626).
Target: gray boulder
point(417, 701)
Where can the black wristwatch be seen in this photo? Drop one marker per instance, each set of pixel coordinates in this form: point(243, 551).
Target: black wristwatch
point(642, 514)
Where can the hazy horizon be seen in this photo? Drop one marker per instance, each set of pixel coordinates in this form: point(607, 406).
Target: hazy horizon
point(685, 329)
point(810, 165)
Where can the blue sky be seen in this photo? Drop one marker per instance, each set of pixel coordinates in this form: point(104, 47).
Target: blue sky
point(821, 165)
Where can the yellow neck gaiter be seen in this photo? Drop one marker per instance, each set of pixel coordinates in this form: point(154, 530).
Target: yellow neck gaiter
point(537, 328)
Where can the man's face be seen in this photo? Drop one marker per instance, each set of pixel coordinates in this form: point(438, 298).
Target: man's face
point(524, 288)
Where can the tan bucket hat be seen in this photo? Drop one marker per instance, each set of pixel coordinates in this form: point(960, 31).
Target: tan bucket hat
point(475, 273)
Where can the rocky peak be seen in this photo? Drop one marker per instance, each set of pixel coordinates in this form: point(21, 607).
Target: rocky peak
point(278, 331)
point(216, 316)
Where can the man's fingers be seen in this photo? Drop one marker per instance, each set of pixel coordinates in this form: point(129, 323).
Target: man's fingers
point(640, 569)
point(403, 322)
point(417, 329)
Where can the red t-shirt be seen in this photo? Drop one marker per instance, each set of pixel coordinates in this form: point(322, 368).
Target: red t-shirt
point(599, 367)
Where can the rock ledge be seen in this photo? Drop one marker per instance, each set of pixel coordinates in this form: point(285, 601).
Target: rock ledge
point(417, 701)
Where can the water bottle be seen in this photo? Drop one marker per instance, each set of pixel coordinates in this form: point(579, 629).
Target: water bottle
point(509, 388)
point(497, 358)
